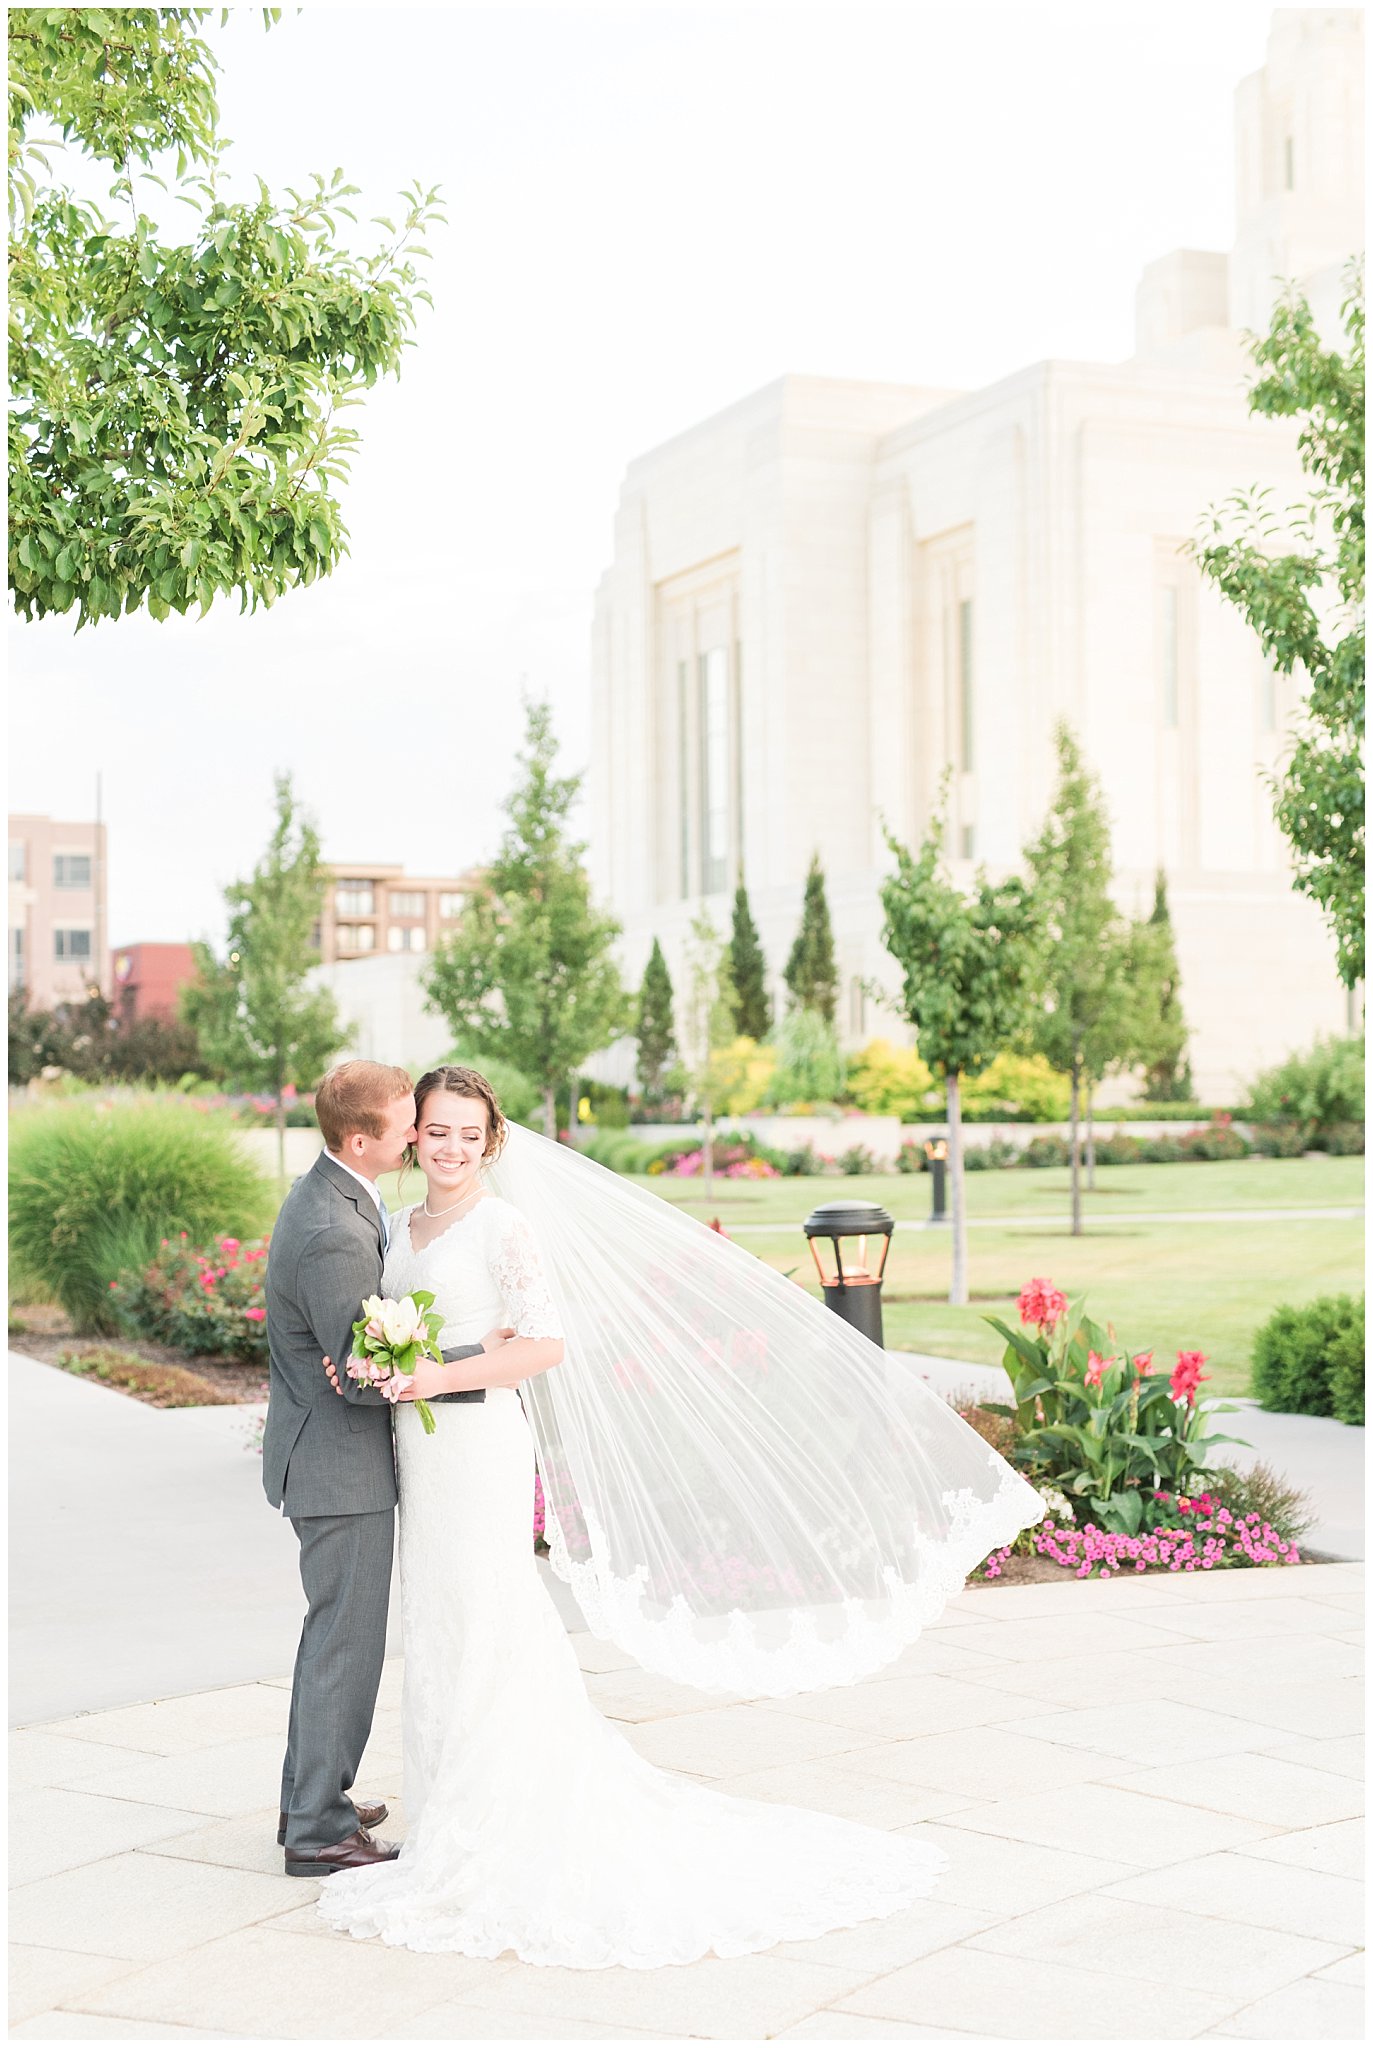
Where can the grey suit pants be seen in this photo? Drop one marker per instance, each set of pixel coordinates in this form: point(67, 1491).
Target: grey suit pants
point(345, 1568)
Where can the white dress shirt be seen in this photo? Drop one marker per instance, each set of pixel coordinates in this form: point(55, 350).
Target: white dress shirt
point(374, 1191)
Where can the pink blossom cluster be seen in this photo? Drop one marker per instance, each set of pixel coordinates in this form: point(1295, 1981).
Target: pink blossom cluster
point(1041, 1303)
point(689, 1164)
point(1188, 1376)
point(1209, 1537)
point(538, 1507)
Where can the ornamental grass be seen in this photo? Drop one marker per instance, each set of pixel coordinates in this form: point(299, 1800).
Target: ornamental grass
point(96, 1186)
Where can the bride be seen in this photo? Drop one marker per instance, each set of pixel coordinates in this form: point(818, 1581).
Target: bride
point(743, 1494)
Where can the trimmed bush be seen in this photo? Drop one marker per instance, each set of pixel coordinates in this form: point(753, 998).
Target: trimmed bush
point(1016, 1088)
point(1296, 1353)
point(1160, 1151)
point(1341, 1140)
point(1046, 1151)
point(1280, 1141)
point(1315, 1089)
point(1157, 1112)
point(622, 1152)
point(982, 1158)
point(858, 1159)
point(891, 1080)
point(1216, 1140)
point(1348, 1374)
point(94, 1188)
point(1117, 1148)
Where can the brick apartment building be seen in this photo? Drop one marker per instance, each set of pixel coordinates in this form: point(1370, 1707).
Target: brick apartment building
point(371, 907)
point(57, 903)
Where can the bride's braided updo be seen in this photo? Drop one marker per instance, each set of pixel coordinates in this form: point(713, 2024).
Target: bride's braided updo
point(461, 1081)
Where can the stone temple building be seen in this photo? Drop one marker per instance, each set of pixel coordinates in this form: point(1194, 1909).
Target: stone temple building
point(830, 592)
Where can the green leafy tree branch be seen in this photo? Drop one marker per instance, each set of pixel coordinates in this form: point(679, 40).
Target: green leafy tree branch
point(178, 424)
point(1298, 578)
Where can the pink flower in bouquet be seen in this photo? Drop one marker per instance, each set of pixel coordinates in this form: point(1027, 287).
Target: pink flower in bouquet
point(1188, 1376)
point(1041, 1303)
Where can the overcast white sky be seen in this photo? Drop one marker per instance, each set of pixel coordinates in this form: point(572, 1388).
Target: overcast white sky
point(653, 211)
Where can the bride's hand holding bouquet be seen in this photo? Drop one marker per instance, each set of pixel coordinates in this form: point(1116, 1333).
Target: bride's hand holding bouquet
point(389, 1339)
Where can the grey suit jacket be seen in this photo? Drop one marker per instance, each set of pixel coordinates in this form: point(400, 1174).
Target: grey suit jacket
point(322, 1455)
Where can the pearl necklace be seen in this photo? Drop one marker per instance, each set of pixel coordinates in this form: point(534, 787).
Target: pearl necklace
point(434, 1214)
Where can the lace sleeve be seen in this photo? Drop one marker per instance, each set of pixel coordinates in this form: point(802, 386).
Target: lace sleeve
point(515, 1266)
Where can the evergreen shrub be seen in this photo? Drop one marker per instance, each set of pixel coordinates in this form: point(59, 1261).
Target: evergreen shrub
point(1296, 1353)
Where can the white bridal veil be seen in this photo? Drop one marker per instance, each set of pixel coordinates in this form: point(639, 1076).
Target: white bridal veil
point(742, 1492)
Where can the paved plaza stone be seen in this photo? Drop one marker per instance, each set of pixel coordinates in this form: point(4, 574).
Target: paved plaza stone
point(1171, 1851)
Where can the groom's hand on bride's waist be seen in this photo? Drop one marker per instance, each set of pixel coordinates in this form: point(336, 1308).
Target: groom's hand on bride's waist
point(492, 1341)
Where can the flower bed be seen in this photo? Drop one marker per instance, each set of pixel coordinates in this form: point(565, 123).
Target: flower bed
point(161, 1386)
point(1217, 1139)
point(206, 1301)
point(1123, 1456)
point(1204, 1536)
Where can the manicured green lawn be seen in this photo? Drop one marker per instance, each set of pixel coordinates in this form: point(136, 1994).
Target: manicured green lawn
point(1171, 1286)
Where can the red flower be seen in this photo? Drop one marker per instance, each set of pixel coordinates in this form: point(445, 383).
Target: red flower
point(1096, 1366)
point(1041, 1303)
point(256, 1315)
point(1143, 1362)
point(1188, 1376)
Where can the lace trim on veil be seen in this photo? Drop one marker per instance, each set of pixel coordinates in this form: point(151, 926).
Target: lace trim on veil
point(736, 1657)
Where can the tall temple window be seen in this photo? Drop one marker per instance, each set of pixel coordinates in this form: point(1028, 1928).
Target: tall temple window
point(1168, 653)
point(683, 779)
point(965, 683)
point(715, 790)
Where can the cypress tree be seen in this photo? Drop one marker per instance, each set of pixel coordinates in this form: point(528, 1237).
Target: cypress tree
point(748, 972)
point(1168, 1075)
point(810, 972)
point(657, 1039)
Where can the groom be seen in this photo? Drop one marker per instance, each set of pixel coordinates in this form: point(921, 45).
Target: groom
point(329, 1465)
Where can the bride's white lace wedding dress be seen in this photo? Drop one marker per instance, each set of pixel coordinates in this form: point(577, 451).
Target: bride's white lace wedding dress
point(534, 1826)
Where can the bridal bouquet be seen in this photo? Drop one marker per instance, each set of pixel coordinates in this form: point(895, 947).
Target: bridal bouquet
point(388, 1339)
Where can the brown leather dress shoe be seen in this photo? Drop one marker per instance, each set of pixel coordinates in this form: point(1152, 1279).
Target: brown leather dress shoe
point(354, 1852)
point(368, 1817)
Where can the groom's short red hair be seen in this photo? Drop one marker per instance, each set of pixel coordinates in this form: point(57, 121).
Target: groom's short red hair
point(354, 1096)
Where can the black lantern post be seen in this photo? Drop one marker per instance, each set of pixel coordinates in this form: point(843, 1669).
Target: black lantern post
point(938, 1156)
point(850, 1273)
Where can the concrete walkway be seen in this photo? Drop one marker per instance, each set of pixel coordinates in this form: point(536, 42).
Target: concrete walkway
point(144, 1559)
point(1147, 1790)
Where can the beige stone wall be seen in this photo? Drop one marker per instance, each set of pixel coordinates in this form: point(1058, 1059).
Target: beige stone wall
point(915, 582)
